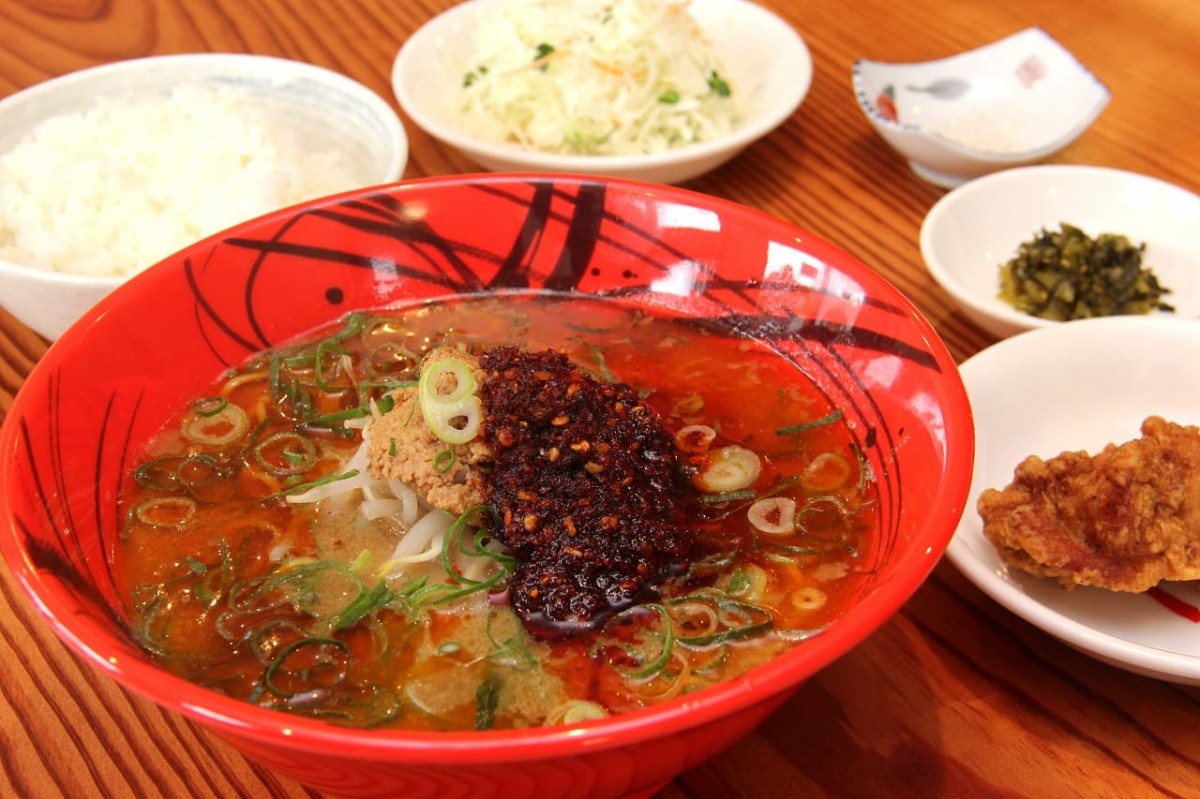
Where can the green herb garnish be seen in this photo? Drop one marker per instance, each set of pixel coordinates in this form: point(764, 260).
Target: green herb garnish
point(719, 84)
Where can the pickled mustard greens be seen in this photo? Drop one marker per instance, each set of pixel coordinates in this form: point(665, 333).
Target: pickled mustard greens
point(1066, 274)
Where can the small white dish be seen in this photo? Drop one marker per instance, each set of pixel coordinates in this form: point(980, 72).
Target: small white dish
point(330, 113)
point(1081, 386)
point(1012, 102)
point(974, 229)
point(765, 60)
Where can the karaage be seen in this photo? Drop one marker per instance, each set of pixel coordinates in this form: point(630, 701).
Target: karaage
point(1123, 519)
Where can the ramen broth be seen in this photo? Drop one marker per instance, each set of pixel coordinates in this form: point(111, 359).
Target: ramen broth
point(250, 569)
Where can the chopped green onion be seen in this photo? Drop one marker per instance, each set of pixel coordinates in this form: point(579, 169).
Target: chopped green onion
point(442, 412)
point(167, 513)
point(728, 496)
point(288, 651)
point(285, 453)
point(650, 663)
point(792, 430)
point(194, 565)
point(737, 620)
point(719, 84)
point(319, 358)
point(217, 428)
point(444, 461)
point(209, 406)
point(487, 699)
point(366, 603)
point(739, 581)
point(773, 515)
point(728, 469)
point(329, 478)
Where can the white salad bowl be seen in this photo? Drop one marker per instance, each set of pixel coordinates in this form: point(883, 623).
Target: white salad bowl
point(765, 60)
point(1012, 102)
point(974, 229)
point(332, 116)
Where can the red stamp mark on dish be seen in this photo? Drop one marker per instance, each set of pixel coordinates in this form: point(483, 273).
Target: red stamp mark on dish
point(1175, 604)
point(1030, 71)
point(885, 104)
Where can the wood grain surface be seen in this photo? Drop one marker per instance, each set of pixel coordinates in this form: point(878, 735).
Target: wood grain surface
point(954, 697)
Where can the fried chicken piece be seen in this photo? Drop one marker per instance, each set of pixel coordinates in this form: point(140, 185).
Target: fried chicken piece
point(1124, 519)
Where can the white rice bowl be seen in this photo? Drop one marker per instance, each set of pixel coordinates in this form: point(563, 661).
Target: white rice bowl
point(106, 171)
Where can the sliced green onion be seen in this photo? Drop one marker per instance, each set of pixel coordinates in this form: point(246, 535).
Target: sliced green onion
point(204, 477)
point(695, 438)
point(792, 430)
point(288, 651)
point(160, 474)
point(583, 711)
point(209, 406)
point(329, 478)
point(522, 659)
point(730, 468)
point(738, 620)
point(167, 513)
point(728, 496)
point(366, 603)
point(326, 348)
point(773, 515)
point(650, 664)
point(827, 472)
point(194, 565)
point(453, 540)
point(454, 417)
point(487, 699)
point(809, 598)
point(444, 461)
point(285, 453)
point(218, 428)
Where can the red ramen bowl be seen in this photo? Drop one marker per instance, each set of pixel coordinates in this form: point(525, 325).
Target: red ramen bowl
point(163, 337)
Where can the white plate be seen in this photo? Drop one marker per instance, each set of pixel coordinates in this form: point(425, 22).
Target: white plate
point(1011, 102)
point(971, 231)
point(1079, 386)
point(765, 59)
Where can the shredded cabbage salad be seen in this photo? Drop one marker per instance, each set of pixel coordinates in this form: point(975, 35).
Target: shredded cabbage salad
point(594, 77)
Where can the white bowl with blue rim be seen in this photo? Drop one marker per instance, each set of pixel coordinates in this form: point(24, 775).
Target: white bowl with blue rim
point(1013, 102)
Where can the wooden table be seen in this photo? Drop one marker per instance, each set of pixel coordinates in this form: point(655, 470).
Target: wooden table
point(955, 697)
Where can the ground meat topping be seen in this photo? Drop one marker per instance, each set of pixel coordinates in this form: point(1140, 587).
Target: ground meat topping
point(586, 483)
point(402, 447)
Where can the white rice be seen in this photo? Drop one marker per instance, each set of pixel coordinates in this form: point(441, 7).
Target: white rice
point(116, 188)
